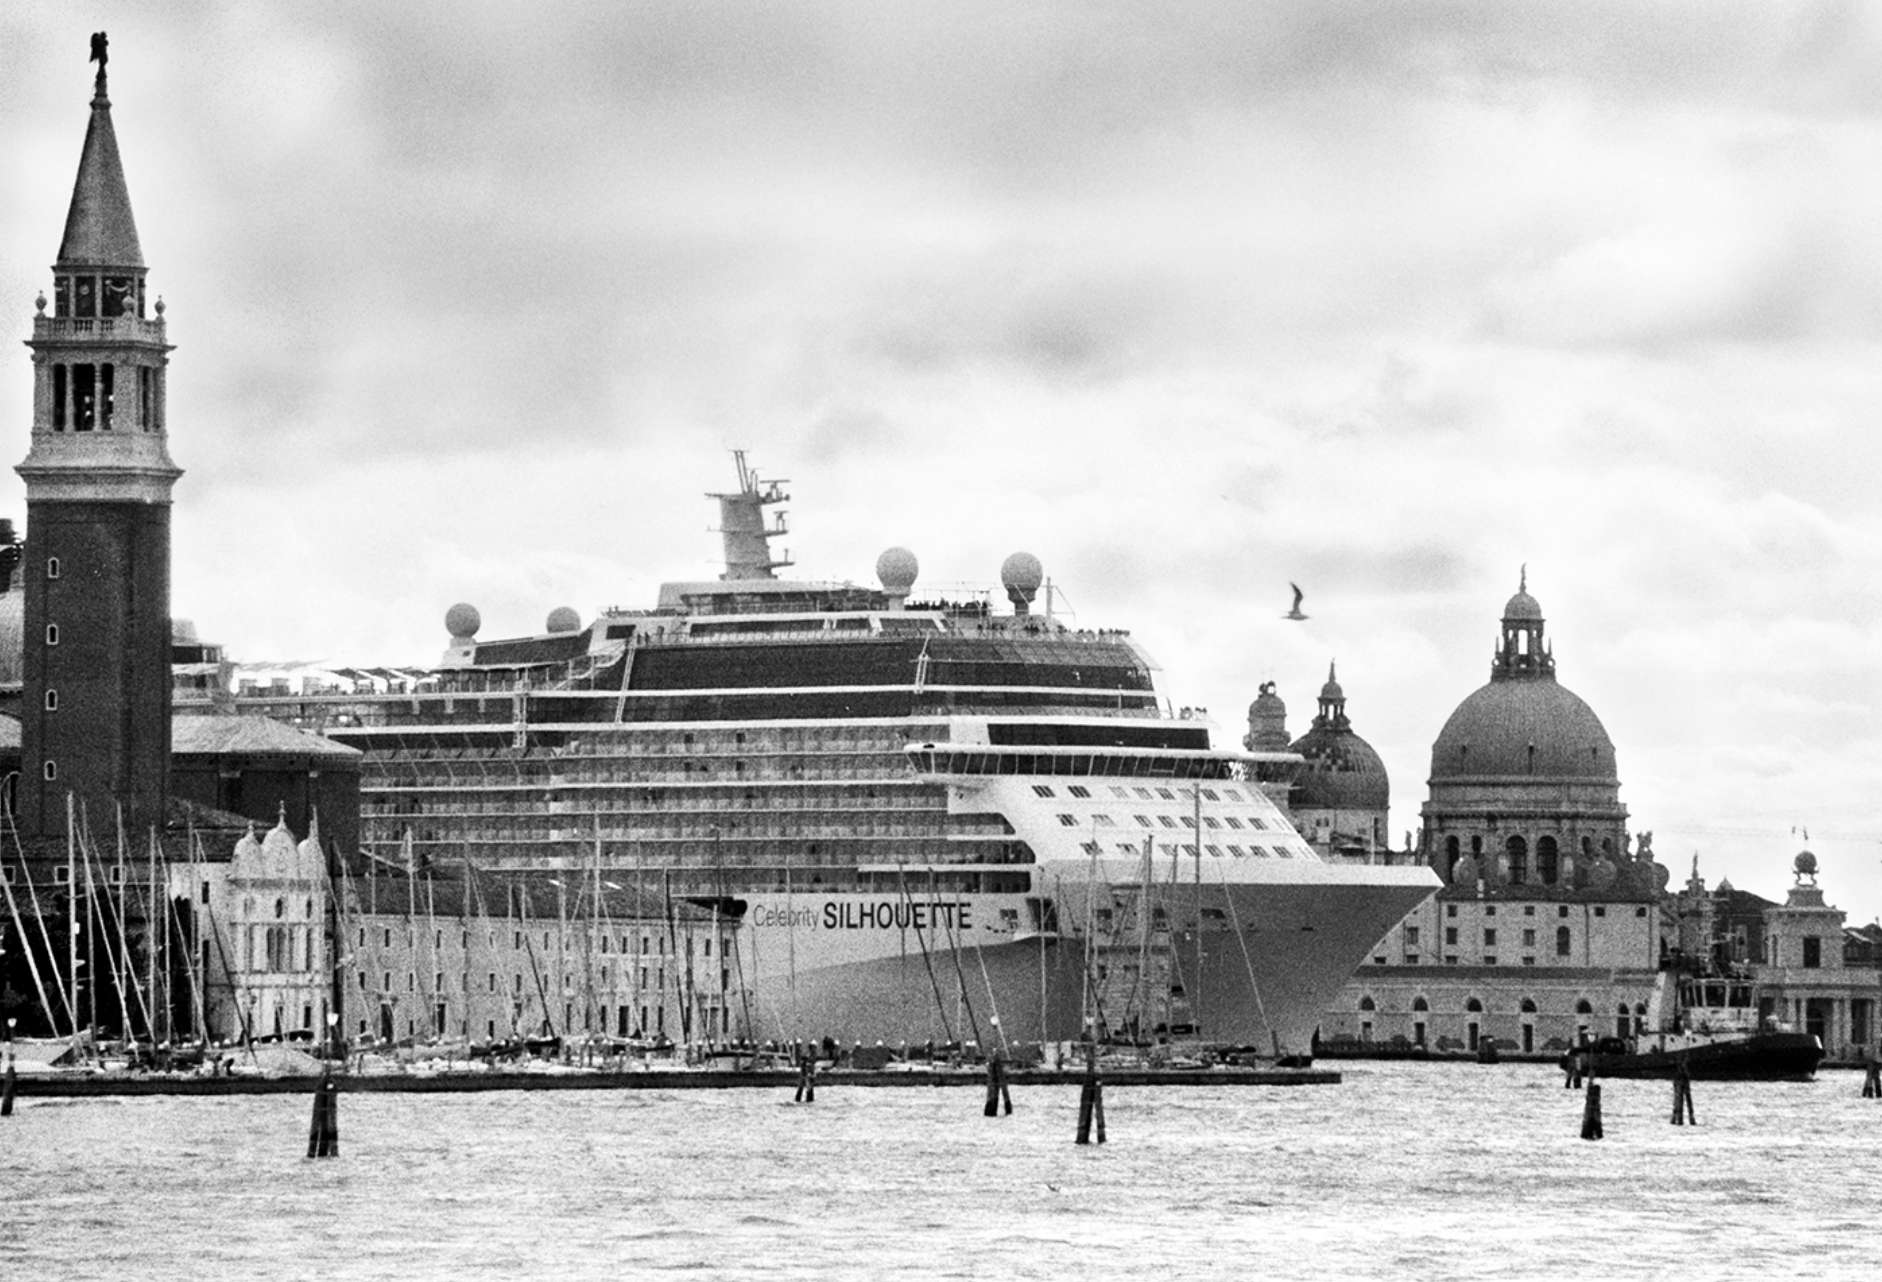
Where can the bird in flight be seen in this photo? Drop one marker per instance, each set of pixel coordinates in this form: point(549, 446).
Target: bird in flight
point(1294, 611)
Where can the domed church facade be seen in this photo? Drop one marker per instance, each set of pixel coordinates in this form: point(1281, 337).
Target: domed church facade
point(1524, 790)
point(1547, 928)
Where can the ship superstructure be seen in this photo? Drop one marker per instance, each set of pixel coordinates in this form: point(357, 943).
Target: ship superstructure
point(925, 814)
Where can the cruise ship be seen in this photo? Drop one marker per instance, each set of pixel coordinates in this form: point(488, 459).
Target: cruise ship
point(930, 818)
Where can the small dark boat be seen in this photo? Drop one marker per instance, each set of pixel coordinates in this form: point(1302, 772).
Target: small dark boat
point(1713, 1028)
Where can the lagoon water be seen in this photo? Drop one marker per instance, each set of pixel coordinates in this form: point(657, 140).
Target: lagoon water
point(1403, 1171)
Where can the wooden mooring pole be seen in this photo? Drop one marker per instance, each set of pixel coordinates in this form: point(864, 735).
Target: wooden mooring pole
point(1091, 1097)
point(997, 1092)
point(806, 1078)
point(11, 1080)
point(1591, 1113)
point(323, 1137)
point(1682, 1096)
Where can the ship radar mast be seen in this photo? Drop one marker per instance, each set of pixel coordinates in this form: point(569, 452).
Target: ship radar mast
point(742, 525)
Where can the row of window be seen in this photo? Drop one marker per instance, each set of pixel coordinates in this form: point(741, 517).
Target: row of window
point(1168, 821)
point(650, 945)
point(84, 397)
point(1215, 852)
point(1124, 794)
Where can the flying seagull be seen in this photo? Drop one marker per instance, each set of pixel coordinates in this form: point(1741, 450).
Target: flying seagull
point(1294, 612)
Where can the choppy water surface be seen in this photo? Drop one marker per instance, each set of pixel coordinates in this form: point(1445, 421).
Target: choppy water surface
point(1404, 1171)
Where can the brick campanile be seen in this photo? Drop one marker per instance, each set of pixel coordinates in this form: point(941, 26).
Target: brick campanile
point(95, 709)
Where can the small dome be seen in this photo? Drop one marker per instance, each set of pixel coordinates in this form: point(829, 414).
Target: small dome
point(564, 619)
point(1022, 573)
point(1342, 772)
point(1805, 865)
point(896, 570)
point(1332, 690)
point(1521, 606)
point(462, 621)
point(1267, 702)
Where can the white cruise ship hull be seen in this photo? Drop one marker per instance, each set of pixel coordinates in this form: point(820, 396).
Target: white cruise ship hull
point(1257, 960)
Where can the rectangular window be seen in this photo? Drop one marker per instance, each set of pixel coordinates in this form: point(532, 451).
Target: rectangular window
point(1078, 790)
point(1411, 936)
point(1166, 821)
point(1450, 935)
point(84, 397)
point(1529, 937)
point(1040, 790)
point(1450, 910)
point(1069, 821)
point(1529, 910)
point(85, 296)
point(1489, 937)
point(58, 398)
point(1143, 820)
point(143, 396)
point(1813, 952)
point(493, 981)
point(107, 398)
point(1600, 910)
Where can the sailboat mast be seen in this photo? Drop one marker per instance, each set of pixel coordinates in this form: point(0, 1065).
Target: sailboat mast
point(1195, 1004)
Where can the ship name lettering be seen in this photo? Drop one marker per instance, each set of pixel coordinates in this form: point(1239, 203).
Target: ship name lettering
point(890, 914)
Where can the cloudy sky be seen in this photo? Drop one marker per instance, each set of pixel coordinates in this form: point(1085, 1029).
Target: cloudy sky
point(471, 301)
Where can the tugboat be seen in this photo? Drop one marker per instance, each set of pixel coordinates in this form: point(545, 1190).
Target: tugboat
point(1708, 1025)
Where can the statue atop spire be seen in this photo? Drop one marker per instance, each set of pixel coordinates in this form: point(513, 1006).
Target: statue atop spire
point(100, 54)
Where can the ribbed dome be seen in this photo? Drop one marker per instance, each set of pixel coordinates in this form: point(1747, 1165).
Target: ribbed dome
point(1523, 729)
point(1342, 773)
point(1522, 606)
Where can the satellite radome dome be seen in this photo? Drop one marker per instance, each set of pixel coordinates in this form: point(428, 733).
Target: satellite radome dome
point(1022, 572)
point(564, 619)
point(462, 621)
point(896, 569)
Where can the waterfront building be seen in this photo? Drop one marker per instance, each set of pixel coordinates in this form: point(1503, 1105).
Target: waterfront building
point(444, 954)
point(1808, 968)
point(1549, 923)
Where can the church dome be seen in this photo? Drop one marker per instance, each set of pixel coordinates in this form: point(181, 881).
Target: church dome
point(1522, 606)
point(1523, 729)
point(1342, 773)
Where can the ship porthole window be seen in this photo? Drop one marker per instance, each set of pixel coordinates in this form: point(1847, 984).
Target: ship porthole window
point(52, 567)
point(52, 770)
point(52, 702)
point(52, 634)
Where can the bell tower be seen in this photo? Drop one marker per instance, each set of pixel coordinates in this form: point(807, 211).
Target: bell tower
point(95, 709)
